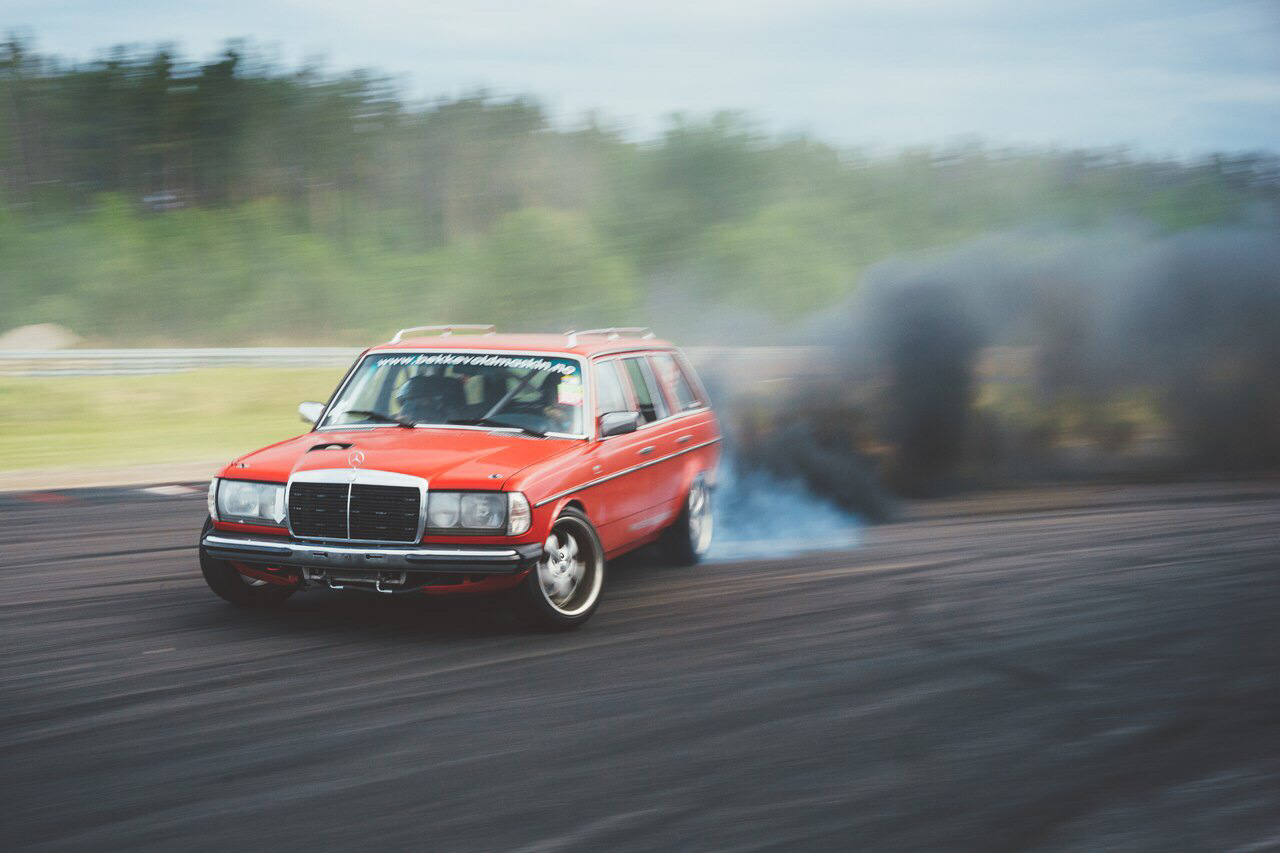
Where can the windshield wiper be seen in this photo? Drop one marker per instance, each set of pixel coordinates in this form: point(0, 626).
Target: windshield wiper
point(495, 423)
point(379, 416)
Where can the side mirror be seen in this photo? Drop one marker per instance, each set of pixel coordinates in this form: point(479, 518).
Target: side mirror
point(310, 412)
point(618, 423)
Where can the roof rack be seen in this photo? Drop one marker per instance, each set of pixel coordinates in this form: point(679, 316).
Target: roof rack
point(612, 333)
point(446, 331)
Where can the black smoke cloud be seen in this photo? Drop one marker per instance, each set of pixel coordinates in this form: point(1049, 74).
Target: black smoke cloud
point(1184, 326)
point(1205, 328)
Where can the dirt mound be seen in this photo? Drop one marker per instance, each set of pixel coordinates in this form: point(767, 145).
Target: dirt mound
point(39, 336)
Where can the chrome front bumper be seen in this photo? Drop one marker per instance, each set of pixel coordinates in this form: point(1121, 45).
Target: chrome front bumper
point(460, 559)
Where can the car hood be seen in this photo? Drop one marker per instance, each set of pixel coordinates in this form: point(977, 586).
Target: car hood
point(446, 458)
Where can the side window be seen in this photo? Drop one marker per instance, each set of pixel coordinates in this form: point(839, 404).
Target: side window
point(609, 394)
point(676, 383)
point(648, 400)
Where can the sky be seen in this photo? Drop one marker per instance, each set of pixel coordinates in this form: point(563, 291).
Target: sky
point(1161, 77)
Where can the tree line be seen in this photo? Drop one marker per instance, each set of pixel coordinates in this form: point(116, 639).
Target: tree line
point(147, 197)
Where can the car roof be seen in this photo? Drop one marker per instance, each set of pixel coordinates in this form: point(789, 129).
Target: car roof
point(583, 345)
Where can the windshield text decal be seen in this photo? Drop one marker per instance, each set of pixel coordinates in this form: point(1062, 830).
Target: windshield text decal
point(458, 359)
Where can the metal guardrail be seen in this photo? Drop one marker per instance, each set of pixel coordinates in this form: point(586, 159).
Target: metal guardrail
point(996, 366)
point(124, 362)
point(141, 361)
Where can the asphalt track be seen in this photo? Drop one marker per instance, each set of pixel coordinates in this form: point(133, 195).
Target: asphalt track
point(1093, 669)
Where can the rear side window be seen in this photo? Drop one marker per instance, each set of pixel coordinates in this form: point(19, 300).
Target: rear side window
point(648, 399)
point(609, 394)
point(673, 378)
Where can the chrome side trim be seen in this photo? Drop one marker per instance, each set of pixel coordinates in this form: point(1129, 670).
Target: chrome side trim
point(558, 495)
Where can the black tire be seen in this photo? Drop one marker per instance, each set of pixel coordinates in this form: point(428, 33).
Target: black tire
point(549, 598)
point(232, 586)
point(687, 540)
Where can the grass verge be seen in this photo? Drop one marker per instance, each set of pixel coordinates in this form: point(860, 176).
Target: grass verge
point(97, 421)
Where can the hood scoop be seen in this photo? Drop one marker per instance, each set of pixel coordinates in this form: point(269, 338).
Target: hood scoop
point(331, 445)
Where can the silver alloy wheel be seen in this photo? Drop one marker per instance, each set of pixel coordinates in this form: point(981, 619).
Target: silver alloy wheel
point(701, 523)
point(572, 568)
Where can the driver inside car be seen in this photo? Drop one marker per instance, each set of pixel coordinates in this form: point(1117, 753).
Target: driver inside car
point(431, 399)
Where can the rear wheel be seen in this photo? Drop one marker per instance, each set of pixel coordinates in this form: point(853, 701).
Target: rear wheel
point(230, 585)
point(563, 590)
point(687, 541)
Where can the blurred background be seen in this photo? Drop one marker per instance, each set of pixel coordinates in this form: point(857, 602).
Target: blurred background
point(1030, 243)
point(987, 293)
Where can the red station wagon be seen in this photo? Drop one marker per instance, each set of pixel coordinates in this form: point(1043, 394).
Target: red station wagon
point(456, 460)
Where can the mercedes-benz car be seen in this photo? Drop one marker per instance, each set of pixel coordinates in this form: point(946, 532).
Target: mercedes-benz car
point(454, 460)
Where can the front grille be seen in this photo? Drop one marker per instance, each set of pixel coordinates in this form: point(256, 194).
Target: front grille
point(355, 511)
point(319, 509)
point(387, 513)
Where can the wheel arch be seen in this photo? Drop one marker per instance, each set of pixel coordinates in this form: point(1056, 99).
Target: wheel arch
point(556, 508)
point(691, 472)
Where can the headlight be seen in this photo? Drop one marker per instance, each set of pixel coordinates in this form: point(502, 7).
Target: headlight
point(484, 512)
point(443, 509)
point(240, 500)
point(478, 512)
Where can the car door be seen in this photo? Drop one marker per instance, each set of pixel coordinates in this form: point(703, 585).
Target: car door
point(622, 495)
point(655, 413)
point(681, 439)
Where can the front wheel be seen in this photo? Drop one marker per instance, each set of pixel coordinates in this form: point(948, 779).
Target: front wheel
point(564, 589)
point(232, 586)
point(687, 541)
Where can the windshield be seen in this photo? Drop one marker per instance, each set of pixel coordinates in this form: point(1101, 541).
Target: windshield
point(532, 393)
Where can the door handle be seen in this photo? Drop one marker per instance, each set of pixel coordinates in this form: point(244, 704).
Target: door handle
point(684, 439)
point(645, 451)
